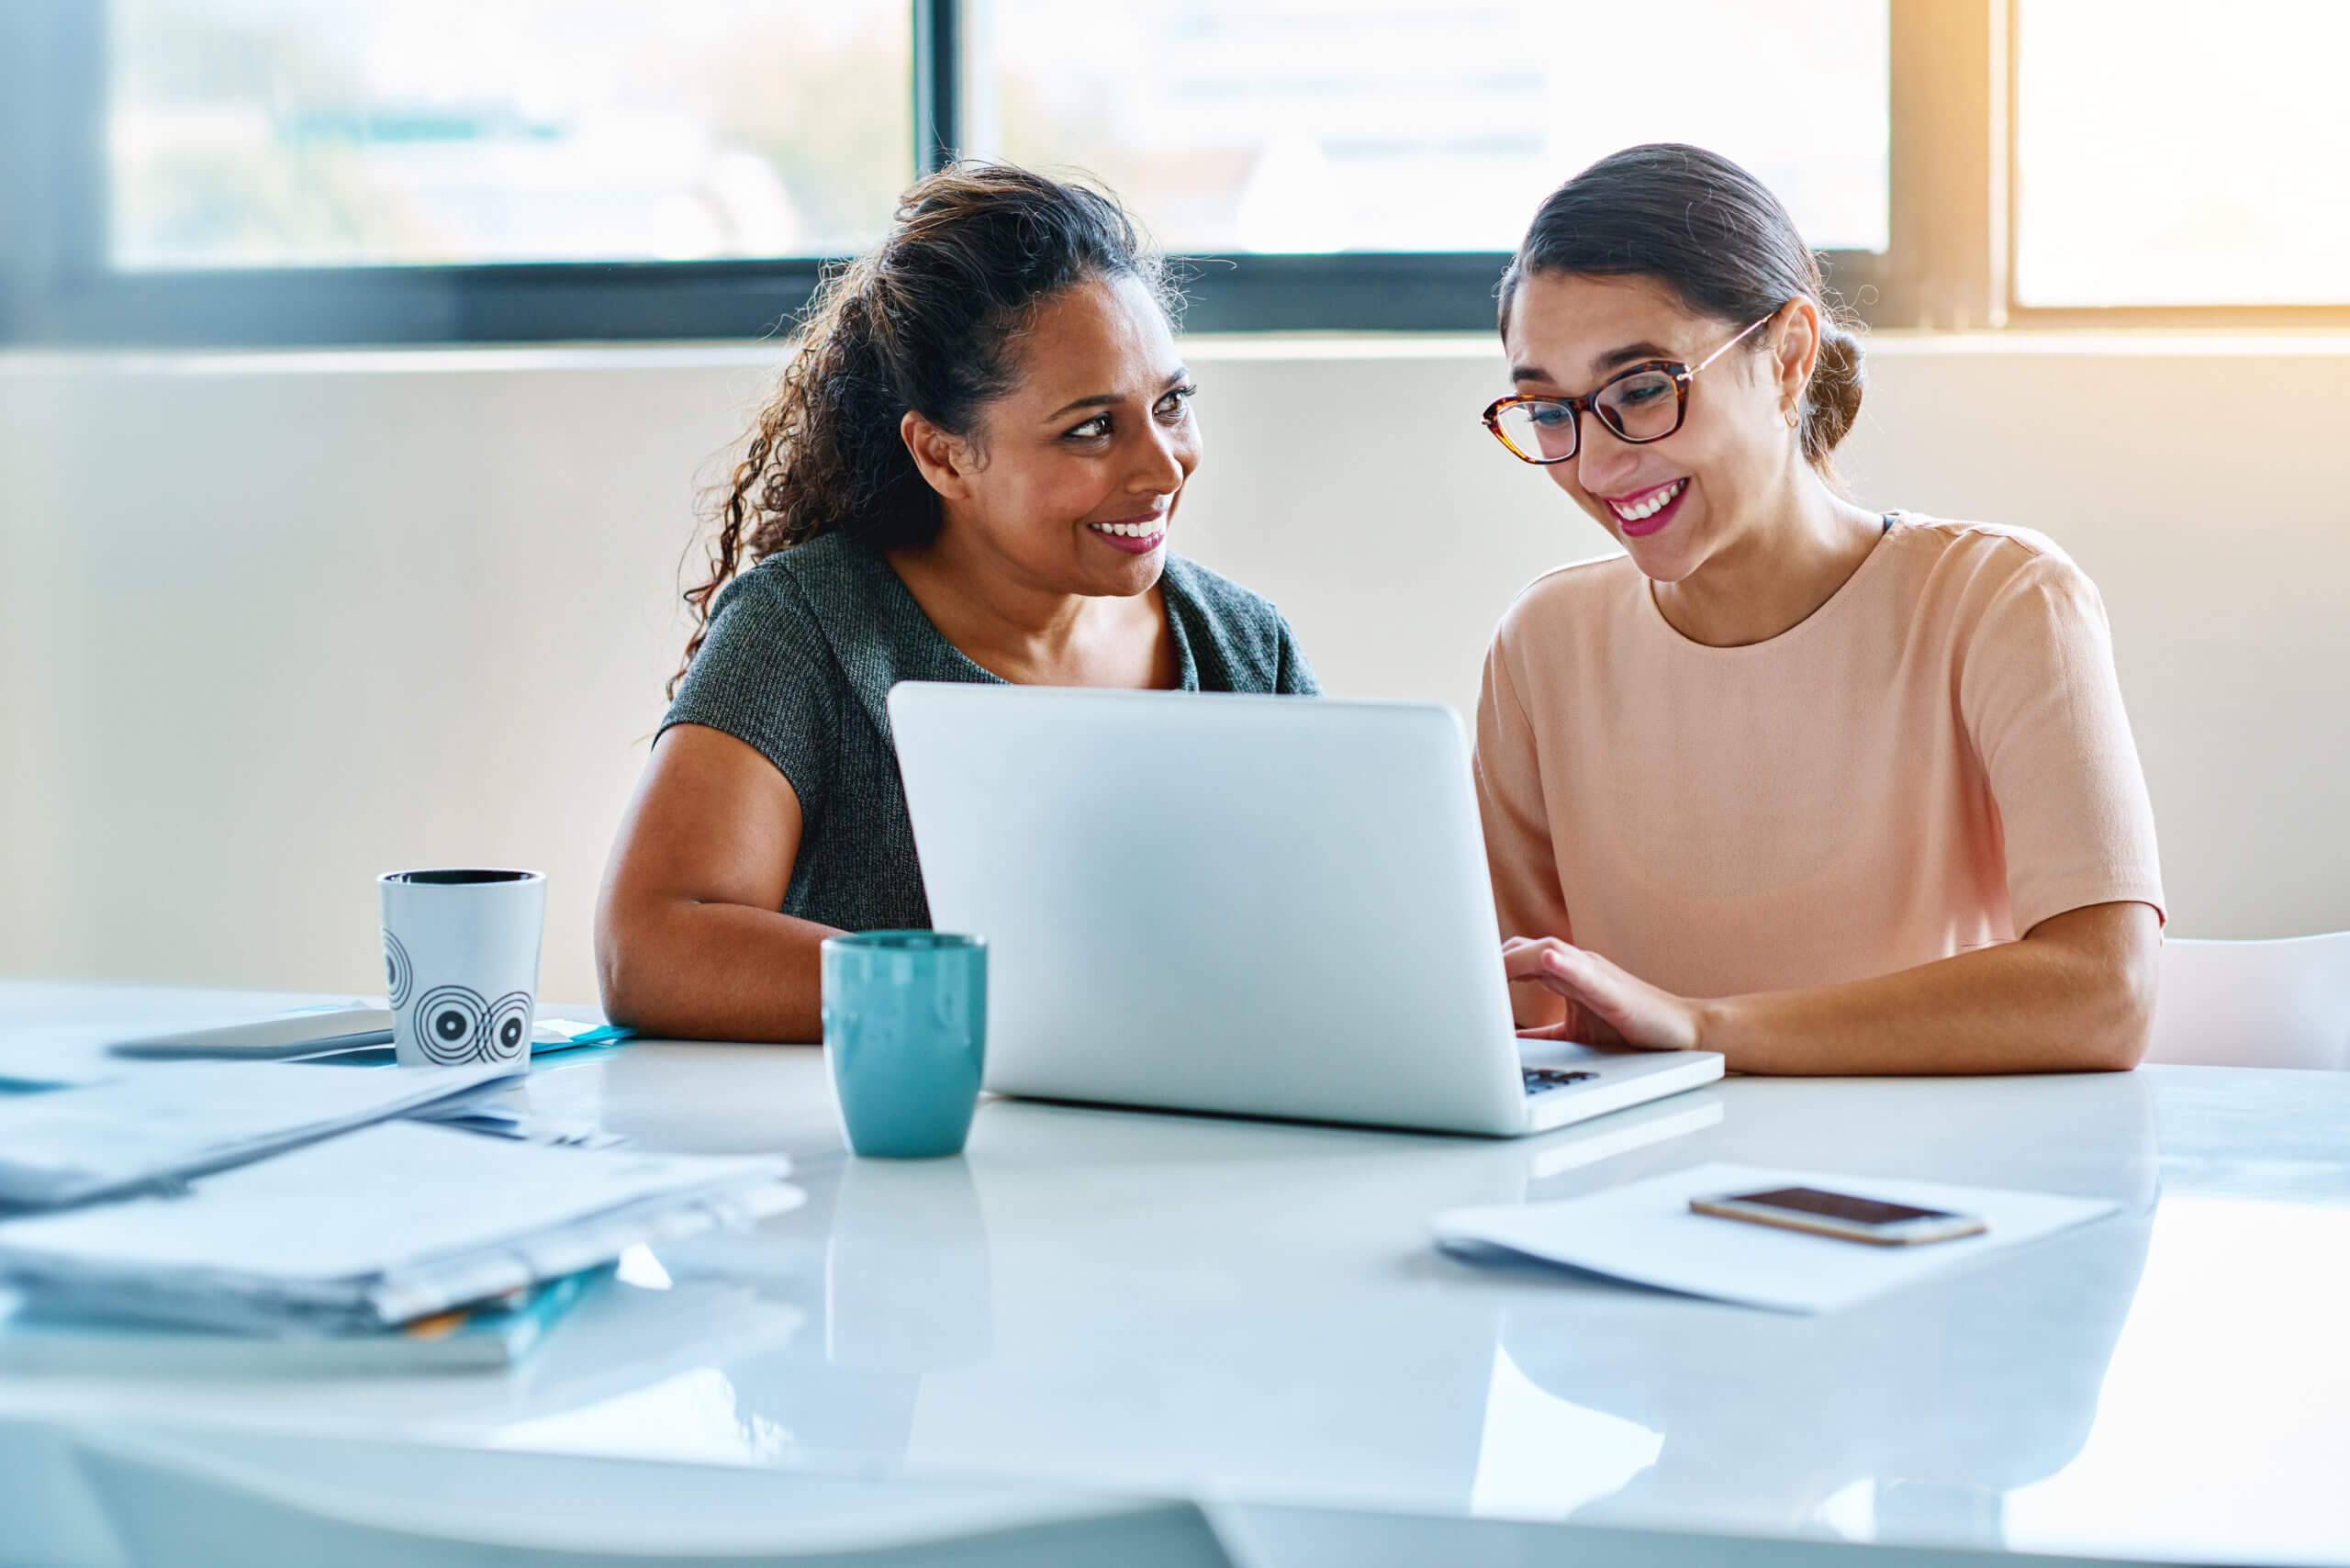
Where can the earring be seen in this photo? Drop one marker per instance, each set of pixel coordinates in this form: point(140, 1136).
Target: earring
point(1792, 420)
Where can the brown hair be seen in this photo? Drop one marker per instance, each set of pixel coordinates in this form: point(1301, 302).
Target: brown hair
point(1716, 237)
point(926, 322)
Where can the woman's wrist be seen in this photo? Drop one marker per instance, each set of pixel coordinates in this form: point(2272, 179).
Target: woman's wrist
point(1722, 1027)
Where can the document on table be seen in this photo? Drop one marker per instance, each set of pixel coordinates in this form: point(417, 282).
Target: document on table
point(54, 1032)
point(1646, 1233)
point(175, 1121)
point(377, 1226)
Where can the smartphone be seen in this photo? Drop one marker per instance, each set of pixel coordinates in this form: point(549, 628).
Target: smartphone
point(1842, 1215)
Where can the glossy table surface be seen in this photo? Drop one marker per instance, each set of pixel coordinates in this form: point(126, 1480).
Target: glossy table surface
point(1251, 1312)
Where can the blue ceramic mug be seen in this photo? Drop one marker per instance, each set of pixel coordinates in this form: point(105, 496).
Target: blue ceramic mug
point(905, 1035)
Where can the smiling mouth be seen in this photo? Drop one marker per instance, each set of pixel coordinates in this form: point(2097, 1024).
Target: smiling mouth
point(1134, 535)
point(1647, 503)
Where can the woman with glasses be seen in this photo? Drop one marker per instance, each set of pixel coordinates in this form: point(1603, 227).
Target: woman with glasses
point(1825, 790)
point(970, 473)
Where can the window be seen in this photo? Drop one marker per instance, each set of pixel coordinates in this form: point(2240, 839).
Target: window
point(400, 171)
point(1306, 126)
point(287, 133)
point(2171, 154)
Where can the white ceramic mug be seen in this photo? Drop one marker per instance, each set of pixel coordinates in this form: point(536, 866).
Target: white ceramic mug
point(460, 963)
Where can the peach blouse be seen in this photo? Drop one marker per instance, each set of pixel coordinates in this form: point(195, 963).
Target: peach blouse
point(1935, 759)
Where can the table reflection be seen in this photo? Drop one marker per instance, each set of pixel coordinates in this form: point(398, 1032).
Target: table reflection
point(1167, 1300)
point(1177, 1302)
point(1907, 1418)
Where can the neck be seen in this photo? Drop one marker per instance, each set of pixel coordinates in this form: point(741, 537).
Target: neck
point(1780, 564)
point(958, 578)
point(1001, 619)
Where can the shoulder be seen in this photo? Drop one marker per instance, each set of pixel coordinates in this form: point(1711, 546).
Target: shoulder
point(826, 569)
point(1215, 597)
point(811, 591)
point(1568, 601)
point(778, 623)
point(1978, 569)
point(1989, 551)
point(1249, 634)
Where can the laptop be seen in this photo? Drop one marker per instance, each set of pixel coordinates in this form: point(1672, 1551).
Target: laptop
point(1262, 906)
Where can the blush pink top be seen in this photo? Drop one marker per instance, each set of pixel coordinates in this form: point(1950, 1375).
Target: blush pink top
point(1936, 759)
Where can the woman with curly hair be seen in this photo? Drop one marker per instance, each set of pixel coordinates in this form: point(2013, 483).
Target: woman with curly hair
point(968, 474)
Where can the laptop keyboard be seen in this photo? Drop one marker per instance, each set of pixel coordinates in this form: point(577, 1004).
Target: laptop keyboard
point(1540, 1079)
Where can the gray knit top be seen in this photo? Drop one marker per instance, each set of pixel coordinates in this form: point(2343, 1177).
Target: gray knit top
point(802, 651)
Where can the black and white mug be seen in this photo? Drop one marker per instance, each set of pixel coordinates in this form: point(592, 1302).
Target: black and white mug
point(460, 963)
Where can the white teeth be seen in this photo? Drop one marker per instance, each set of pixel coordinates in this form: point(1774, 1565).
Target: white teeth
point(1653, 505)
point(1129, 529)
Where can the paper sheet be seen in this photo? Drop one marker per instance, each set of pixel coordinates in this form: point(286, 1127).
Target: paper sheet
point(179, 1118)
point(365, 1203)
point(1645, 1232)
point(58, 1032)
point(377, 1226)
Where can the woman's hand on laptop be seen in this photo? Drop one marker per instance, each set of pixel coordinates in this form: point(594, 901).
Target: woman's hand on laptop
point(1604, 1005)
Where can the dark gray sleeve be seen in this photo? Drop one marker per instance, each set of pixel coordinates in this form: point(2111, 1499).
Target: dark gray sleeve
point(1294, 678)
point(765, 676)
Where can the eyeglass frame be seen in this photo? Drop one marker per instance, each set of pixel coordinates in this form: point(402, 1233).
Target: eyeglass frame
point(1681, 375)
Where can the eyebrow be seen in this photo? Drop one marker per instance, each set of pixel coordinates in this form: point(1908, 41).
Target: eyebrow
point(1601, 365)
point(1111, 399)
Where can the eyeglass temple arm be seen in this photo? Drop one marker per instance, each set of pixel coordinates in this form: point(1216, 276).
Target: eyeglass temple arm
point(1732, 343)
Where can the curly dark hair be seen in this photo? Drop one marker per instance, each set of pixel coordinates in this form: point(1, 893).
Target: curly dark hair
point(926, 320)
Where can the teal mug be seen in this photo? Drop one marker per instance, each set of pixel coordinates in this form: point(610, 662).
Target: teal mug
point(905, 1036)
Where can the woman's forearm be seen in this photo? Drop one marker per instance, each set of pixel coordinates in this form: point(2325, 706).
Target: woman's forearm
point(715, 971)
point(2075, 995)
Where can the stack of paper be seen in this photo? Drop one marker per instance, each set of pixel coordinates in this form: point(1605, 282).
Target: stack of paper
point(178, 1121)
point(501, 1118)
point(499, 1332)
point(376, 1227)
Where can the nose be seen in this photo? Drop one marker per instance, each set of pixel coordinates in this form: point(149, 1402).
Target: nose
point(1602, 460)
point(1163, 459)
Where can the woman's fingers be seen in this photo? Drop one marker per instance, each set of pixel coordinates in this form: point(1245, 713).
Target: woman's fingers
point(1589, 981)
point(1604, 1005)
point(1524, 960)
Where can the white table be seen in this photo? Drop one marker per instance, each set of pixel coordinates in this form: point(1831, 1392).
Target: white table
point(1251, 1313)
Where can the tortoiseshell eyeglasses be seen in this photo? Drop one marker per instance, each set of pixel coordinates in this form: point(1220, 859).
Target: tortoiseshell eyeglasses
point(1641, 403)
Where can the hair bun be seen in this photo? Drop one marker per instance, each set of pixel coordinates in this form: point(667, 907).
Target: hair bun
point(1832, 401)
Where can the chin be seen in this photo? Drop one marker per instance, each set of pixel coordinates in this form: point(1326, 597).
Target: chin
point(1116, 579)
point(1142, 577)
point(1657, 562)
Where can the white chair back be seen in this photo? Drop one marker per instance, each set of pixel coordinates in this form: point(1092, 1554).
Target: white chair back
point(2281, 1003)
point(222, 1500)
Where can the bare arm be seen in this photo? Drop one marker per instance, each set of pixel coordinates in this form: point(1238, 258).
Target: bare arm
point(2074, 994)
point(688, 942)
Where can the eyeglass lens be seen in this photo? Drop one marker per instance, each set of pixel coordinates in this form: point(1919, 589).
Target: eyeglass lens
point(1644, 405)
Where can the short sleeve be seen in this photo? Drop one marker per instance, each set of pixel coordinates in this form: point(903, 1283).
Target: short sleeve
point(767, 675)
point(1295, 676)
point(1525, 869)
point(2043, 708)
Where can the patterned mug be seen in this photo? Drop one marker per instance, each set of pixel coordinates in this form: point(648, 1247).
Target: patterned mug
point(460, 963)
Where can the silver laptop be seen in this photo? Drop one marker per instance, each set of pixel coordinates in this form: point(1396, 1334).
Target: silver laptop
point(1263, 906)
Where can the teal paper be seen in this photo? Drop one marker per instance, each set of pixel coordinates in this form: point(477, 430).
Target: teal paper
point(905, 1033)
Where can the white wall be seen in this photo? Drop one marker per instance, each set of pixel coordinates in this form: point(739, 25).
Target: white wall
point(269, 624)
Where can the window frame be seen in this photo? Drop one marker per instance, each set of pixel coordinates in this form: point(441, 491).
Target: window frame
point(2074, 318)
point(1948, 265)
